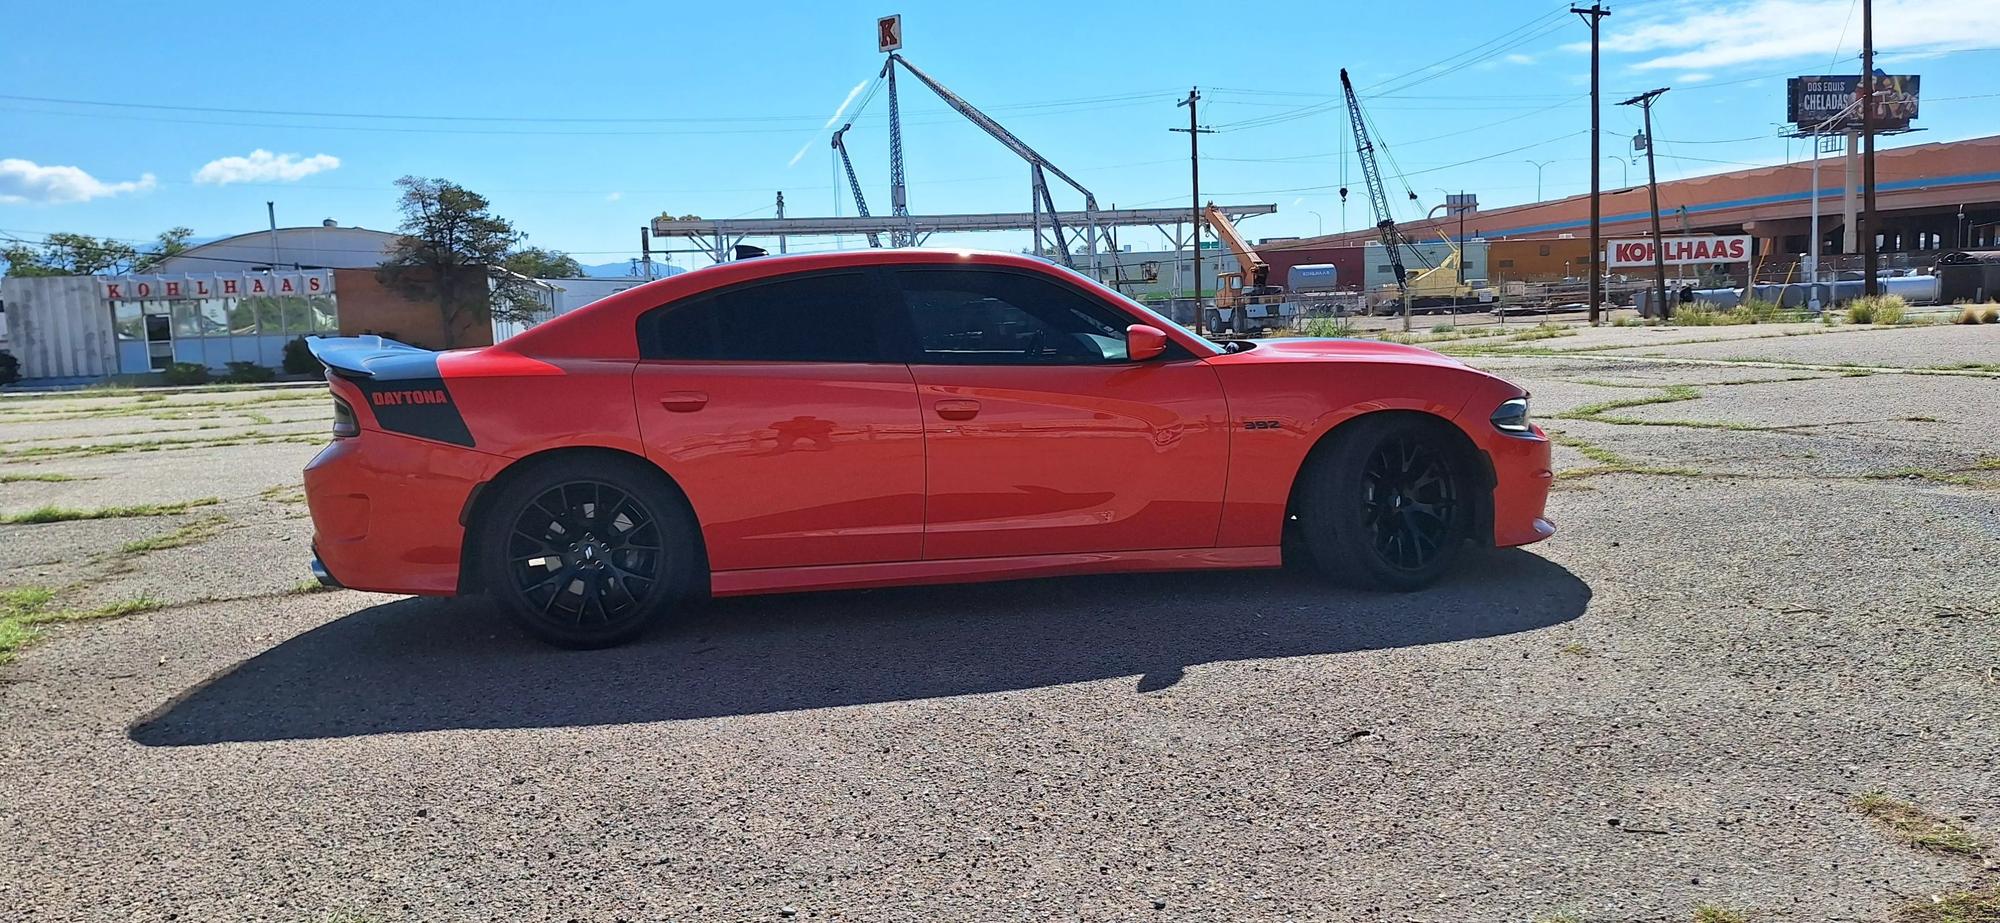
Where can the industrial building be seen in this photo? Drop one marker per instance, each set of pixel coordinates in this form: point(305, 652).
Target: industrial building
point(1931, 199)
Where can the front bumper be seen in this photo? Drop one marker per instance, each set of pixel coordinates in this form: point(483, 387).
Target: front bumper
point(386, 509)
point(1522, 476)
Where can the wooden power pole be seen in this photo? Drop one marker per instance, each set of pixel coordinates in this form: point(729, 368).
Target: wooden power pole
point(1645, 103)
point(1590, 18)
point(1194, 133)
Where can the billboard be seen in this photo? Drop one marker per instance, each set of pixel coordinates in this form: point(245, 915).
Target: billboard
point(1816, 100)
point(889, 33)
point(1709, 248)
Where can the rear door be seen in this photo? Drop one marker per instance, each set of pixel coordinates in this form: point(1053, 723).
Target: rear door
point(1041, 437)
point(793, 429)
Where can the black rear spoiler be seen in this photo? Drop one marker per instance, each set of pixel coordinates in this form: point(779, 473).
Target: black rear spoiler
point(373, 357)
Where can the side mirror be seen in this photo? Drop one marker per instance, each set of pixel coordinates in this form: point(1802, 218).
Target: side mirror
point(1143, 342)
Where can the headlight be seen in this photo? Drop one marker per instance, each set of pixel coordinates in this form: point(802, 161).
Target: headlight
point(1512, 417)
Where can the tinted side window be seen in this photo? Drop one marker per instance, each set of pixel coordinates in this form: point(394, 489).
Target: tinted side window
point(982, 317)
point(820, 318)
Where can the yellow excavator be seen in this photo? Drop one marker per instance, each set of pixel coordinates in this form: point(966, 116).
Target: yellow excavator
point(1250, 284)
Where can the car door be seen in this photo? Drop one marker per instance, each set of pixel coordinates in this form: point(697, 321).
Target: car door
point(785, 419)
point(1040, 436)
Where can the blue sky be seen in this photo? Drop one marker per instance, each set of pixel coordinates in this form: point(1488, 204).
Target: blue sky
point(582, 121)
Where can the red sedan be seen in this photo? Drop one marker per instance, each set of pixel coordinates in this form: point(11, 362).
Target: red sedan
point(890, 417)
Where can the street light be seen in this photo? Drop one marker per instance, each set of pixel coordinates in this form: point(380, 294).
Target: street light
point(1321, 223)
point(1538, 164)
point(1624, 171)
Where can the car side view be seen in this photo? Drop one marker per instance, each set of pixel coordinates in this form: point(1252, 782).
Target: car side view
point(894, 417)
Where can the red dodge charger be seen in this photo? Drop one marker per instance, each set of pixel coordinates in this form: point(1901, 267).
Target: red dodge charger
point(889, 417)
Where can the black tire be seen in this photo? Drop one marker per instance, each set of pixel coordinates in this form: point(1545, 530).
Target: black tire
point(1388, 504)
point(587, 554)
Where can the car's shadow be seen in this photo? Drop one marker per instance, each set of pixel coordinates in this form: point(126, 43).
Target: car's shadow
point(426, 664)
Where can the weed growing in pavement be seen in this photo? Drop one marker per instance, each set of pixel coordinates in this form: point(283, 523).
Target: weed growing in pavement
point(1990, 314)
point(47, 514)
point(1709, 913)
point(1443, 328)
point(1609, 462)
point(1543, 331)
point(1560, 916)
point(309, 586)
point(1924, 474)
point(1628, 322)
point(1981, 906)
point(1884, 310)
point(196, 531)
point(1914, 826)
point(24, 610)
point(1967, 314)
point(1573, 649)
point(284, 493)
point(48, 476)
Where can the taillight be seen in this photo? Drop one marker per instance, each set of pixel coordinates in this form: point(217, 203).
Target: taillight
point(343, 419)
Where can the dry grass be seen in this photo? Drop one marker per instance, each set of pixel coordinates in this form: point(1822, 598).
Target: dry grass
point(1914, 826)
point(1709, 913)
point(24, 610)
point(1953, 907)
point(45, 514)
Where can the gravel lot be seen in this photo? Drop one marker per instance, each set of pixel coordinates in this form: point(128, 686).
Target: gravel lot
point(1771, 592)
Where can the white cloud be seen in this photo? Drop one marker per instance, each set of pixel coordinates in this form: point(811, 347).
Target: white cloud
point(1518, 58)
point(262, 166)
point(1721, 33)
point(1697, 77)
point(614, 197)
point(27, 181)
point(835, 117)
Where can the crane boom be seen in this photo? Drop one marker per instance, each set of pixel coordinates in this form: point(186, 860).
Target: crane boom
point(1256, 272)
point(860, 203)
point(1392, 239)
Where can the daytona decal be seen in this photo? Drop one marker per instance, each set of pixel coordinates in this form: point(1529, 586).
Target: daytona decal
point(416, 407)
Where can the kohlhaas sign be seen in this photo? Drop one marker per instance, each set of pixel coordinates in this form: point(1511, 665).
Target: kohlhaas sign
point(1821, 103)
point(215, 285)
point(1722, 248)
point(889, 33)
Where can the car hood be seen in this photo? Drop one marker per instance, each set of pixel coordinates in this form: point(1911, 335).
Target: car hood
point(1329, 349)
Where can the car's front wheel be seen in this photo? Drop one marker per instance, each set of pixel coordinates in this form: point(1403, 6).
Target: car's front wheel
point(1388, 504)
point(587, 554)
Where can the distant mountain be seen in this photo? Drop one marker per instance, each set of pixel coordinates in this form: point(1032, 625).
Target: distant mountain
point(623, 270)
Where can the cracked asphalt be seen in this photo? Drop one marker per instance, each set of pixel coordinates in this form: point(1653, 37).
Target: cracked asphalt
point(1668, 704)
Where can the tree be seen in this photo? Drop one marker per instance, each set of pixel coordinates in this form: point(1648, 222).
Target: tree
point(66, 254)
point(537, 263)
point(451, 241)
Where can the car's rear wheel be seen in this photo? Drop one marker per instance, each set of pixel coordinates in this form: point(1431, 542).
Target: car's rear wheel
point(1388, 504)
point(587, 555)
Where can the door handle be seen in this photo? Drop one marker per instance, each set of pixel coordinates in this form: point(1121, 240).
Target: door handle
point(957, 409)
point(684, 401)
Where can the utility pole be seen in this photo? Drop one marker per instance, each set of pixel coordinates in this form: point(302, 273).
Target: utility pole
point(1870, 261)
point(1645, 103)
point(1590, 18)
point(781, 215)
point(646, 248)
point(1194, 133)
point(1538, 165)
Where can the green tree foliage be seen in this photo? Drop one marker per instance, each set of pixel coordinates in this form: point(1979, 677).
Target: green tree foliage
point(451, 241)
point(66, 254)
point(537, 263)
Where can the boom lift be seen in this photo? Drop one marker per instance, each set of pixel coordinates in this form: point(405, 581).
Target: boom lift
point(1234, 291)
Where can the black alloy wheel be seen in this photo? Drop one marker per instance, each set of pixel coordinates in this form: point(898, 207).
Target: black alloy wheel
point(1386, 504)
point(1409, 501)
point(587, 554)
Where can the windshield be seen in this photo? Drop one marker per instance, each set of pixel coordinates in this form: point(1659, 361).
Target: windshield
point(1155, 317)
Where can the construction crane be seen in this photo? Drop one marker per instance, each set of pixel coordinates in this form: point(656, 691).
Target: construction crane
point(860, 203)
point(1392, 239)
point(1039, 168)
point(1234, 290)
